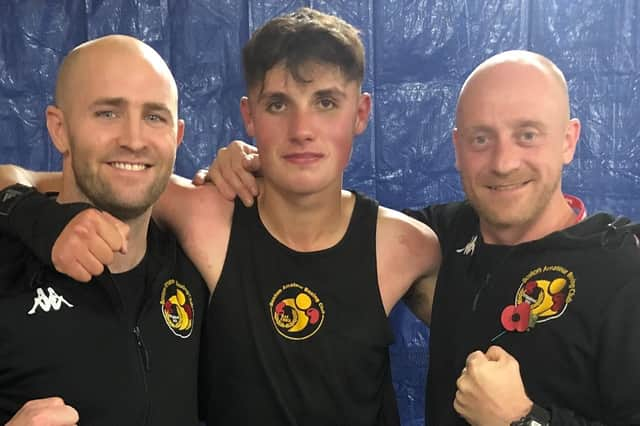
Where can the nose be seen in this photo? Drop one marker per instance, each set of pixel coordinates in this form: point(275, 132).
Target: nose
point(505, 156)
point(301, 126)
point(132, 136)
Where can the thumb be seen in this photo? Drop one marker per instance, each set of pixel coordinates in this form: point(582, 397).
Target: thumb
point(251, 162)
point(121, 227)
point(496, 353)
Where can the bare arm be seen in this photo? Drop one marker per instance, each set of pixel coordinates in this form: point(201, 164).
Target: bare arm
point(200, 217)
point(408, 258)
point(43, 181)
point(419, 298)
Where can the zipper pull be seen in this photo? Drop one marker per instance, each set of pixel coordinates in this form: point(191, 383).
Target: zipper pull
point(141, 347)
point(484, 285)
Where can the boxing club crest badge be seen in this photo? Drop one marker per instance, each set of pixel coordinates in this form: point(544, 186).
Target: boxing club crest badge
point(177, 308)
point(296, 311)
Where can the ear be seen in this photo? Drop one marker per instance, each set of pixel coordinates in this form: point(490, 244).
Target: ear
point(455, 136)
point(180, 134)
point(57, 129)
point(571, 136)
point(362, 115)
point(247, 117)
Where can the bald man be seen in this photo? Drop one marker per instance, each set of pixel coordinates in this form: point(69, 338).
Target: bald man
point(122, 350)
point(530, 310)
point(534, 309)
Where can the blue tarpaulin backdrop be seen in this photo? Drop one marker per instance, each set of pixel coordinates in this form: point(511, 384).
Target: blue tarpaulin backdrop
point(418, 52)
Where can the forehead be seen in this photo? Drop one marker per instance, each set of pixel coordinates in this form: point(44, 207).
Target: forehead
point(129, 75)
point(313, 77)
point(511, 92)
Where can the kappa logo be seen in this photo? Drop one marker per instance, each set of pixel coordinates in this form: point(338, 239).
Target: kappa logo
point(469, 248)
point(47, 302)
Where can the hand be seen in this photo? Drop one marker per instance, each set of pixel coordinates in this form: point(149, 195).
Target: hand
point(490, 389)
point(45, 412)
point(232, 172)
point(88, 243)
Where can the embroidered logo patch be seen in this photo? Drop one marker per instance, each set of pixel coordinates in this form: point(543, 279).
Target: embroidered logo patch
point(49, 301)
point(548, 290)
point(177, 308)
point(296, 311)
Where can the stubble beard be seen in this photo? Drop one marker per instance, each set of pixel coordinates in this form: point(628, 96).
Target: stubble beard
point(513, 215)
point(106, 198)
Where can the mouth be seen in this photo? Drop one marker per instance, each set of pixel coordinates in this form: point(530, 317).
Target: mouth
point(303, 157)
point(508, 186)
point(130, 167)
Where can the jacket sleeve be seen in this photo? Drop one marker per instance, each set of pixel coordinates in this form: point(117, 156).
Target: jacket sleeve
point(35, 219)
point(12, 265)
point(618, 365)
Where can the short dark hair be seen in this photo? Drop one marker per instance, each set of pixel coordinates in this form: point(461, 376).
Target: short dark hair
point(301, 37)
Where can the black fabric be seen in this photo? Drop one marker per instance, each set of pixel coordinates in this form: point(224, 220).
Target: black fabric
point(37, 220)
point(274, 371)
point(131, 288)
point(581, 362)
point(88, 354)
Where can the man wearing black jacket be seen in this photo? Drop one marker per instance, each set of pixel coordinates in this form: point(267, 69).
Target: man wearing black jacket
point(124, 348)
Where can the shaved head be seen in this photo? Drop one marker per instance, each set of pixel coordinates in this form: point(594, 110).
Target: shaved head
point(115, 122)
point(512, 65)
point(93, 53)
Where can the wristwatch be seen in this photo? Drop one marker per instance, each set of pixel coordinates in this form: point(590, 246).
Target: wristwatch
point(538, 416)
point(11, 195)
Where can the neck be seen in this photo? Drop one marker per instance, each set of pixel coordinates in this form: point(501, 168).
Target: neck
point(556, 216)
point(306, 222)
point(136, 244)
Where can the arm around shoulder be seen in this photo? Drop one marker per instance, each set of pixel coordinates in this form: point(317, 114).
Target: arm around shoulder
point(200, 217)
point(43, 181)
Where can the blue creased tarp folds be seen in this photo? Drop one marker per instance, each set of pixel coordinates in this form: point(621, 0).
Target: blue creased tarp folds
point(418, 53)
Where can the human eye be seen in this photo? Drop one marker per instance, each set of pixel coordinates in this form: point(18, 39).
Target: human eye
point(327, 103)
point(276, 106)
point(106, 114)
point(528, 135)
point(156, 118)
point(479, 140)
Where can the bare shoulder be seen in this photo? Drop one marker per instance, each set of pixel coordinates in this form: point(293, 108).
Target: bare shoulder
point(400, 232)
point(196, 205)
point(407, 252)
point(200, 217)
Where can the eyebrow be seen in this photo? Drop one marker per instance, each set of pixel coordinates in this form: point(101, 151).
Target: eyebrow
point(517, 124)
point(331, 92)
point(529, 123)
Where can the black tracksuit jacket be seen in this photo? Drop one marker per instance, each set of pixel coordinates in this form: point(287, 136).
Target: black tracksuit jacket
point(59, 337)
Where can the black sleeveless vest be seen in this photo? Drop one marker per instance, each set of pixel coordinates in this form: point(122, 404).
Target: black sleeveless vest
point(298, 338)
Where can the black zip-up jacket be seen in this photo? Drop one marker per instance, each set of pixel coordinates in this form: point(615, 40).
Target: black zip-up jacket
point(59, 337)
point(581, 359)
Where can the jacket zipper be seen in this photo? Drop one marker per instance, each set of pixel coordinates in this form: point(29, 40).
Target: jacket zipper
point(146, 367)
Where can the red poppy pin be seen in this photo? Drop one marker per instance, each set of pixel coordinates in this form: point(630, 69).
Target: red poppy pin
point(517, 317)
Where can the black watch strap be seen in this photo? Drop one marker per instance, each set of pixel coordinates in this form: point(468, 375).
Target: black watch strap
point(538, 416)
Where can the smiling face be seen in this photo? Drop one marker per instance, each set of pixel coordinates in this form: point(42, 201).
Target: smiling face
point(512, 139)
point(116, 126)
point(305, 129)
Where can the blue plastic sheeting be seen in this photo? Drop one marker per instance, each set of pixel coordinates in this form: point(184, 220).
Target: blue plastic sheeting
point(418, 54)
